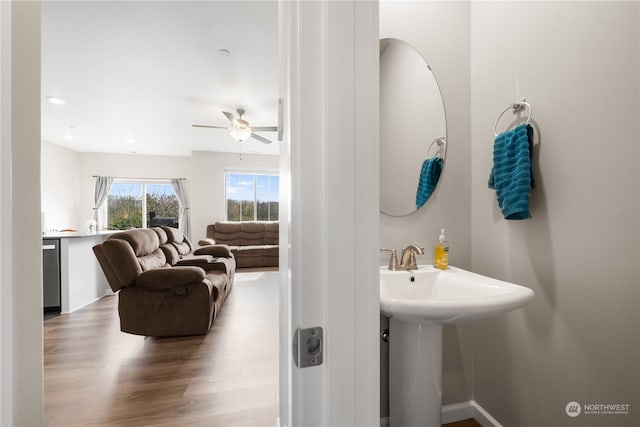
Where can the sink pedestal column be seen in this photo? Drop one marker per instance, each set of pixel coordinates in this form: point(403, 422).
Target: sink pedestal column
point(415, 374)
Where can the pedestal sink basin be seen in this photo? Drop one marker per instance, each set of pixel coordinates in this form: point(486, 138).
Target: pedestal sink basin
point(450, 296)
point(418, 303)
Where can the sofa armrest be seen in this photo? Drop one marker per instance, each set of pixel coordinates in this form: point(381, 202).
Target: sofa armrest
point(170, 278)
point(215, 251)
point(206, 242)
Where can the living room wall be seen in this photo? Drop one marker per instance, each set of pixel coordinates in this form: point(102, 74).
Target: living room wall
point(60, 187)
point(207, 184)
point(127, 166)
point(68, 183)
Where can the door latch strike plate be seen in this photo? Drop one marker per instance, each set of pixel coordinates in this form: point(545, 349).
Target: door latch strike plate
point(307, 347)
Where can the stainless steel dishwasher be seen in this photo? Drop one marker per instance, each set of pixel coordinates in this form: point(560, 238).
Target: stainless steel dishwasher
point(51, 275)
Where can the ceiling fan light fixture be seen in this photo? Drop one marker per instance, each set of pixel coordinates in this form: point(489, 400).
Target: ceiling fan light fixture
point(240, 129)
point(240, 133)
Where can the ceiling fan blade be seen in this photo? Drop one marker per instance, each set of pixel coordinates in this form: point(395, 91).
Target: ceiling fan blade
point(260, 138)
point(229, 116)
point(265, 128)
point(207, 126)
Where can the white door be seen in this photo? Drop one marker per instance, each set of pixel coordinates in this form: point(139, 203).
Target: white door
point(329, 216)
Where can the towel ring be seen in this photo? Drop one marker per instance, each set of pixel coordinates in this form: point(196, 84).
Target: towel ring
point(442, 142)
point(516, 106)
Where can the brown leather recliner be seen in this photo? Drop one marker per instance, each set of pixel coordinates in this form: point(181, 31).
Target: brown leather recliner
point(165, 289)
point(254, 244)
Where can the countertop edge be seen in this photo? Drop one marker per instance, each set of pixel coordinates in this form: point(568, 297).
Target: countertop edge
point(75, 235)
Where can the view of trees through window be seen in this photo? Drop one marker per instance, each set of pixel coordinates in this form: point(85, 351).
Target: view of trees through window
point(252, 196)
point(140, 204)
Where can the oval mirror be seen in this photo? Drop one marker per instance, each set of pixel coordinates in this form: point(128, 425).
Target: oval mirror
point(413, 140)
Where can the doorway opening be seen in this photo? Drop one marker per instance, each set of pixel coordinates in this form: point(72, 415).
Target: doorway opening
point(125, 115)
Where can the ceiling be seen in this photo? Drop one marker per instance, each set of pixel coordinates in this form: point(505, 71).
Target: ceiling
point(147, 70)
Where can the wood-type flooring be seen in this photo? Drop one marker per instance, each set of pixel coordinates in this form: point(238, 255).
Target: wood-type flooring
point(469, 422)
point(96, 375)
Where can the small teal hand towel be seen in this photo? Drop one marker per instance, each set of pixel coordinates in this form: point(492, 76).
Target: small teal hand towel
point(429, 175)
point(512, 172)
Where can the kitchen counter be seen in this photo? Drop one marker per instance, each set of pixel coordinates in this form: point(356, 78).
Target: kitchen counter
point(81, 279)
point(75, 234)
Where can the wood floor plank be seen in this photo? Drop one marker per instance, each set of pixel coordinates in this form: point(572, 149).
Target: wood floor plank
point(469, 422)
point(96, 375)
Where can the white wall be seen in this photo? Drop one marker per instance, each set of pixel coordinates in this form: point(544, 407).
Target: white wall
point(24, 339)
point(577, 64)
point(126, 166)
point(68, 183)
point(207, 184)
point(440, 32)
point(60, 184)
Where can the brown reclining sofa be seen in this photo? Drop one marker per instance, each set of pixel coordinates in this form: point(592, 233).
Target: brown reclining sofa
point(254, 244)
point(164, 288)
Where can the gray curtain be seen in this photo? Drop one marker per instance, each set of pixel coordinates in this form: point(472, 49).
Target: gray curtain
point(184, 220)
point(103, 185)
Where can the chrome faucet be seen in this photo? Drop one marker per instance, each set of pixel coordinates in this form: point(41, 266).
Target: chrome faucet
point(407, 260)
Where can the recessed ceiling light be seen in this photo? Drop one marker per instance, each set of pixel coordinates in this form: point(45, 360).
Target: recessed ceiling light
point(224, 52)
point(56, 101)
point(129, 140)
point(68, 135)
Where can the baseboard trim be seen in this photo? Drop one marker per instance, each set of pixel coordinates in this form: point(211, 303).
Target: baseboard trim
point(79, 307)
point(457, 412)
point(461, 411)
point(465, 410)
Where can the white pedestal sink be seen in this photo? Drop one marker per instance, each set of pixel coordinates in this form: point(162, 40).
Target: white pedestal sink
point(418, 303)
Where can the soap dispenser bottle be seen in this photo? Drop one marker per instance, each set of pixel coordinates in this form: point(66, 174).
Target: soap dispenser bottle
point(441, 252)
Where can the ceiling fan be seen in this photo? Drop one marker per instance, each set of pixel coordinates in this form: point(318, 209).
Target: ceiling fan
point(240, 129)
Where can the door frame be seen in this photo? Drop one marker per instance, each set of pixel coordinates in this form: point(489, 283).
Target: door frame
point(329, 243)
point(21, 357)
point(329, 236)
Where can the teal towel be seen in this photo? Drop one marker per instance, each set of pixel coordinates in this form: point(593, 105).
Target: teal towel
point(512, 173)
point(429, 176)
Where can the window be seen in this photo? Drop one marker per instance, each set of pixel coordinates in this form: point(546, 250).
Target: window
point(252, 196)
point(141, 204)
